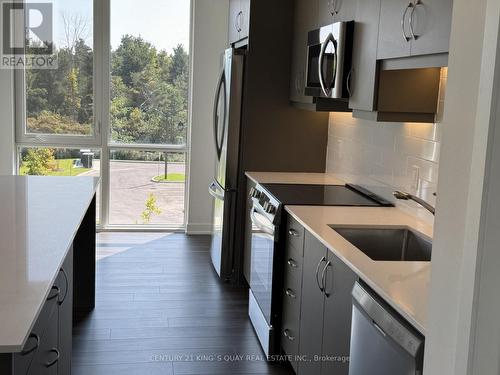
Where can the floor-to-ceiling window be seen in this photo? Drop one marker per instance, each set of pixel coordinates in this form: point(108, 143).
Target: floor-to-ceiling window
point(116, 107)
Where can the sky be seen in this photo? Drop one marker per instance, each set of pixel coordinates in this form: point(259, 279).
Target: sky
point(164, 23)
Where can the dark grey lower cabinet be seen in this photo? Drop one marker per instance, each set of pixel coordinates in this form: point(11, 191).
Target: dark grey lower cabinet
point(292, 290)
point(48, 348)
point(65, 326)
point(339, 281)
point(47, 357)
point(312, 307)
point(325, 324)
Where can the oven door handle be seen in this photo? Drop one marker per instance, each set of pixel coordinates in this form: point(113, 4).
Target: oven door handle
point(262, 227)
point(327, 88)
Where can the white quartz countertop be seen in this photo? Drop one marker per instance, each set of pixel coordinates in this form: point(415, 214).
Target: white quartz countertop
point(404, 285)
point(294, 178)
point(39, 217)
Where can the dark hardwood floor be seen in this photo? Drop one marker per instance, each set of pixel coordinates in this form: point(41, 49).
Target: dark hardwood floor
point(161, 310)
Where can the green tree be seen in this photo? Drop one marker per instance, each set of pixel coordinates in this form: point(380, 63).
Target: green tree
point(38, 161)
point(133, 55)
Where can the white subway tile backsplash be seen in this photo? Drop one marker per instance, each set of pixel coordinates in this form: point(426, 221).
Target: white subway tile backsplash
point(386, 156)
point(428, 150)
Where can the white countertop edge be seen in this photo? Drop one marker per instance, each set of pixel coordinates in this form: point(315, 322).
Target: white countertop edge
point(16, 348)
point(294, 178)
point(380, 291)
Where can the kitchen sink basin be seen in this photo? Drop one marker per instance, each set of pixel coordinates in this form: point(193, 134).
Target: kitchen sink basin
point(388, 244)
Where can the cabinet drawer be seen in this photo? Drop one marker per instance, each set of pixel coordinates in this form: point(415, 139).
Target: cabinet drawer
point(294, 234)
point(23, 360)
point(47, 357)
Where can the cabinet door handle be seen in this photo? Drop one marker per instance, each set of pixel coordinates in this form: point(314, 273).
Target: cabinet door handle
point(290, 293)
point(58, 291)
point(238, 21)
point(66, 284)
point(293, 233)
point(333, 7)
point(292, 263)
point(323, 278)
point(55, 360)
point(317, 273)
point(403, 22)
point(31, 350)
point(412, 15)
point(287, 334)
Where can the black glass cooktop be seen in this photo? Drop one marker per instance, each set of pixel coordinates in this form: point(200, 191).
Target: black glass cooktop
point(324, 195)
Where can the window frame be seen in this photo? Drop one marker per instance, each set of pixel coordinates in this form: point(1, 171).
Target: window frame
point(101, 139)
point(23, 136)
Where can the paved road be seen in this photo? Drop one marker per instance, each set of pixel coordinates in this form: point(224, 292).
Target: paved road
point(130, 187)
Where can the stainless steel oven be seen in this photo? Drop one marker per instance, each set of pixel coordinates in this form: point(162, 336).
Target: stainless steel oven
point(265, 276)
point(329, 61)
point(267, 245)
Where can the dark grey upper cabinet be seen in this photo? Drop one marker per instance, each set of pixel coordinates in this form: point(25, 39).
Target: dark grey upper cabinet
point(431, 23)
point(244, 21)
point(305, 20)
point(394, 36)
point(364, 67)
point(239, 20)
point(313, 299)
point(421, 27)
point(234, 14)
point(331, 11)
point(339, 281)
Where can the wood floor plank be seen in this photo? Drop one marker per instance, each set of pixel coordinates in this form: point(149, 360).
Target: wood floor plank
point(161, 309)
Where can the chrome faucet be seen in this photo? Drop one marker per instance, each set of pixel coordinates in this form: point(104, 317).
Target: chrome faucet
point(407, 196)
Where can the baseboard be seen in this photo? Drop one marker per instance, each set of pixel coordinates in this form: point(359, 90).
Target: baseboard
point(198, 229)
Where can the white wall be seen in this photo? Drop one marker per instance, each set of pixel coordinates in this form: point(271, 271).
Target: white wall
point(385, 156)
point(208, 41)
point(461, 229)
point(6, 122)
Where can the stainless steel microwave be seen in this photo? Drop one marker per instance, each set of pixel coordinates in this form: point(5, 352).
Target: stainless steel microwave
point(329, 61)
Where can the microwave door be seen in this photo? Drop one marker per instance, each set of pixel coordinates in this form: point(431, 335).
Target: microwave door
point(327, 65)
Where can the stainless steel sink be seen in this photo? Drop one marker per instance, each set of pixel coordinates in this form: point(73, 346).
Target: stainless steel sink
point(389, 244)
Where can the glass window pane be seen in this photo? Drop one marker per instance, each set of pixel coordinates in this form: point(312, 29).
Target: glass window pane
point(140, 194)
point(60, 101)
point(149, 71)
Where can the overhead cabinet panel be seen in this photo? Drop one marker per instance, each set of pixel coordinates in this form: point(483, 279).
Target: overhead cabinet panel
point(244, 20)
point(331, 11)
point(364, 60)
point(394, 32)
point(305, 20)
point(431, 26)
point(414, 28)
point(239, 20)
point(234, 14)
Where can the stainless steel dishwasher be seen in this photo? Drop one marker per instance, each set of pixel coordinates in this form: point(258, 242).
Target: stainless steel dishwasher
point(382, 343)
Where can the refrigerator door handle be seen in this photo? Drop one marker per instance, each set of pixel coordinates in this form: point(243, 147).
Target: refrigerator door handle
point(214, 190)
point(220, 84)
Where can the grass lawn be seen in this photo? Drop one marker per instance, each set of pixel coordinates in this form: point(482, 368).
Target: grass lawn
point(171, 177)
point(62, 167)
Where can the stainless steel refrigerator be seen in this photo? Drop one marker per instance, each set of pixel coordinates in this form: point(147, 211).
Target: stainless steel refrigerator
point(224, 188)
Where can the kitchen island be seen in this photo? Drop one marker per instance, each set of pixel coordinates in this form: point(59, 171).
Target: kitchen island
point(47, 267)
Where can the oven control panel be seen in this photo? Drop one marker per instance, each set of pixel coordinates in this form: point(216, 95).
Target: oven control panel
point(264, 202)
